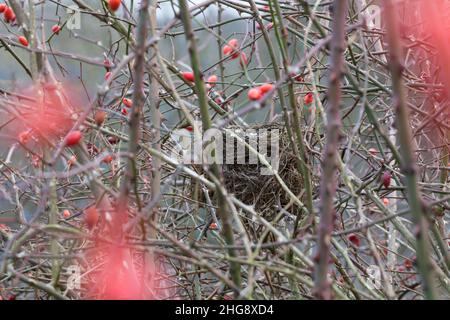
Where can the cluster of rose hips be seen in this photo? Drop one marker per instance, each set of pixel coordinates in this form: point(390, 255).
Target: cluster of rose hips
point(10, 17)
point(128, 104)
point(8, 13)
point(231, 49)
point(257, 93)
point(91, 214)
point(211, 82)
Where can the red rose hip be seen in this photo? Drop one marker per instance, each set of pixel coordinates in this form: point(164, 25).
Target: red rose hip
point(226, 50)
point(309, 98)
point(66, 214)
point(266, 87)
point(127, 102)
point(56, 29)
point(233, 43)
point(100, 117)
point(114, 5)
point(353, 238)
point(91, 217)
point(243, 61)
point(73, 138)
point(9, 15)
point(254, 94)
point(108, 159)
point(386, 179)
point(188, 76)
point(23, 41)
point(212, 80)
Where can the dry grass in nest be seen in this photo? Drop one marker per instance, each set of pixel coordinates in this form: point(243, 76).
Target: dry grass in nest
point(246, 182)
point(264, 192)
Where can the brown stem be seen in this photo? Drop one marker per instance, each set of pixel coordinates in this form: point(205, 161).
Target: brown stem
point(223, 210)
point(129, 179)
point(330, 153)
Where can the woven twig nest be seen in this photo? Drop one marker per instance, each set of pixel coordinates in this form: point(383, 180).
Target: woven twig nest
point(245, 178)
point(263, 191)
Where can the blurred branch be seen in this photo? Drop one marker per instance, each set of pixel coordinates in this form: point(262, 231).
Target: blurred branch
point(407, 163)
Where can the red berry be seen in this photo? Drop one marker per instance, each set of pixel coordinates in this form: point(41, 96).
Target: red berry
point(113, 140)
point(226, 50)
point(113, 4)
point(9, 15)
point(231, 48)
point(266, 87)
point(73, 138)
point(408, 264)
point(386, 179)
point(24, 137)
point(212, 80)
point(266, 8)
point(23, 41)
point(127, 102)
point(66, 214)
point(91, 216)
point(189, 128)
point(373, 151)
point(213, 226)
point(385, 201)
point(235, 55)
point(243, 61)
point(254, 94)
point(309, 98)
point(353, 238)
point(124, 111)
point(56, 29)
point(107, 63)
point(188, 76)
point(2, 7)
point(107, 159)
point(100, 117)
point(233, 43)
point(299, 78)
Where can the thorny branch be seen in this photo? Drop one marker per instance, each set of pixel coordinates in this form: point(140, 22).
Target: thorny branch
point(91, 153)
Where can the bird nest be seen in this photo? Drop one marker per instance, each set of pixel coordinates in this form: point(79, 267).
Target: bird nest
point(247, 177)
point(250, 184)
